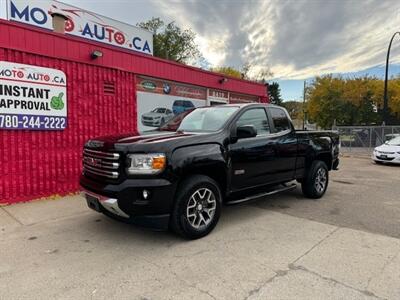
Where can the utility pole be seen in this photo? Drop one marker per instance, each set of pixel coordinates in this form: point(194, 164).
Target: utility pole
point(385, 97)
point(304, 105)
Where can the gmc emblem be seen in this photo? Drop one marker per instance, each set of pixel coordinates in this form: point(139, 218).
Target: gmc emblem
point(94, 162)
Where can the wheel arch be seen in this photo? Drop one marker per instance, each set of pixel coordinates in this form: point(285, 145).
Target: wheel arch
point(326, 157)
point(204, 159)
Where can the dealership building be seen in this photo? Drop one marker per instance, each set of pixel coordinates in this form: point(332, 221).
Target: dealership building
point(67, 75)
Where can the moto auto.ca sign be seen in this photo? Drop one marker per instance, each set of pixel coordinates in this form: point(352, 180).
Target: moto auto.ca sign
point(32, 97)
point(81, 23)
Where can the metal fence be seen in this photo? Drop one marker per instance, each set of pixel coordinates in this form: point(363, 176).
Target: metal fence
point(365, 138)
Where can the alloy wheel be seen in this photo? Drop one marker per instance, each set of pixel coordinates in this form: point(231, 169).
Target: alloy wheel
point(201, 207)
point(320, 180)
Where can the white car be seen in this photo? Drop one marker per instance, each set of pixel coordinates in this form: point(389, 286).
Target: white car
point(157, 117)
point(388, 152)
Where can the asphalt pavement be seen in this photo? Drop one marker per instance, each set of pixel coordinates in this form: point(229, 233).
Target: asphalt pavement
point(361, 195)
point(344, 246)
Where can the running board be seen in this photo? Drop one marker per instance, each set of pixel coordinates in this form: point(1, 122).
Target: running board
point(273, 192)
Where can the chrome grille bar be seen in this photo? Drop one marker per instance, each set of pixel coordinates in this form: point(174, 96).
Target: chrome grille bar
point(100, 172)
point(99, 163)
point(100, 154)
point(102, 164)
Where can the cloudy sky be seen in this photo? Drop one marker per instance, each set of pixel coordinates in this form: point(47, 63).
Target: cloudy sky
point(295, 39)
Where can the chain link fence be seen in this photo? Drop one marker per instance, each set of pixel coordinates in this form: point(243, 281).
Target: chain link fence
point(363, 139)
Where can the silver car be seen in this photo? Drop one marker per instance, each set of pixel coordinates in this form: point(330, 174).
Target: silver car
point(157, 117)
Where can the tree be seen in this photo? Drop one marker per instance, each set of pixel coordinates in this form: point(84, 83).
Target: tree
point(171, 42)
point(262, 74)
point(228, 71)
point(245, 72)
point(294, 108)
point(274, 93)
point(350, 101)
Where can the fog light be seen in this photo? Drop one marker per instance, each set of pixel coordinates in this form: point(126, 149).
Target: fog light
point(145, 194)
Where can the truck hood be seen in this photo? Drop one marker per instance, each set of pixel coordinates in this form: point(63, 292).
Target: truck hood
point(154, 141)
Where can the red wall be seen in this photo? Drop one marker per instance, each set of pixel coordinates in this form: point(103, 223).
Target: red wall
point(37, 164)
point(41, 163)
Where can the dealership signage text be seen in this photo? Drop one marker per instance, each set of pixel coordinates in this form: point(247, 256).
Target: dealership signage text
point(81, 23)
point(32, 97)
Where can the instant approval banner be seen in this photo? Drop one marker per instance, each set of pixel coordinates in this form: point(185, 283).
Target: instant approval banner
point(32, 97)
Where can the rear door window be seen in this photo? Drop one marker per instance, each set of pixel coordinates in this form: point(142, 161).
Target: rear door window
point(280, 119)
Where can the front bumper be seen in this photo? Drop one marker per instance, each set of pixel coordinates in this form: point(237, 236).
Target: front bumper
point(125, 202)
point(389, 158)
point(335, 164)
point(153, 123)
point(99, 203)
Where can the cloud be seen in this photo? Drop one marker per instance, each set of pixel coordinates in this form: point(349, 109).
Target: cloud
point(217, 24)
point(296, 39)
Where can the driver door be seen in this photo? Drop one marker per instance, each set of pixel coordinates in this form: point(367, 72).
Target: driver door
point(252, 159)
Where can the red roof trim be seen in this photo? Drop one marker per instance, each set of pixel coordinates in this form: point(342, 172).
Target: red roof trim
point(16, 44)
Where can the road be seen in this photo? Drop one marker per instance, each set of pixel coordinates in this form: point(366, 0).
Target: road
point(361, 195)
point(344, 246)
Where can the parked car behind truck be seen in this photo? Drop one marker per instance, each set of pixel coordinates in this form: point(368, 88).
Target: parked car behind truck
point(157, 117)
point(179, 106)
point(181, 176)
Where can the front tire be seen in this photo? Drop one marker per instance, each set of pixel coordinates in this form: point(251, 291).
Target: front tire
point(197, 207)
point(316, 181)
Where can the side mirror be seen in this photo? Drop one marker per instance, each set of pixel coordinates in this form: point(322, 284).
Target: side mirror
point(246, 131)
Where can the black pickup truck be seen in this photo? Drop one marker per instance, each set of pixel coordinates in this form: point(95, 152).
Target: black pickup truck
point(181, 175)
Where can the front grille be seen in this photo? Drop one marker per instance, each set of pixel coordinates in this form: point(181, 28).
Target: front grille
point(148, 118)
point(385, 158)
point(383, 152)
point(102, 164)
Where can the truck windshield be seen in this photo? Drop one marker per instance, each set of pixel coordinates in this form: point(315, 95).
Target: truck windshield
point(173, 124)
point(207, 119)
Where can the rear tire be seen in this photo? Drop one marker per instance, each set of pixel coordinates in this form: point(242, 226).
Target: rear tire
point(316, 180)
point(197, 207)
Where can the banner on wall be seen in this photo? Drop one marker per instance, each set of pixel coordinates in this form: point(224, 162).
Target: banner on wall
point(239, 98)
point(159, 101)
point(32, 97)
point(81, 23)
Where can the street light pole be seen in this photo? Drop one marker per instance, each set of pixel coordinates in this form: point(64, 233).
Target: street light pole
point(385, 98)
point(304, 105)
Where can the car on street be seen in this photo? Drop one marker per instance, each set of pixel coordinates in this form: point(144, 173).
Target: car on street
point(389, 152)
point(157, 117)
point(181, 175)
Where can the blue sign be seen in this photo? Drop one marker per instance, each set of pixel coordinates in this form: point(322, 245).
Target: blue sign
point(32, 122)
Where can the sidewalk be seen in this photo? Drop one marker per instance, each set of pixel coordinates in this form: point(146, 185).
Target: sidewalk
point(60, 249)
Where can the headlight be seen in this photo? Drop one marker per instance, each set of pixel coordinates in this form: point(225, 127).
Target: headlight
point(146, 163)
